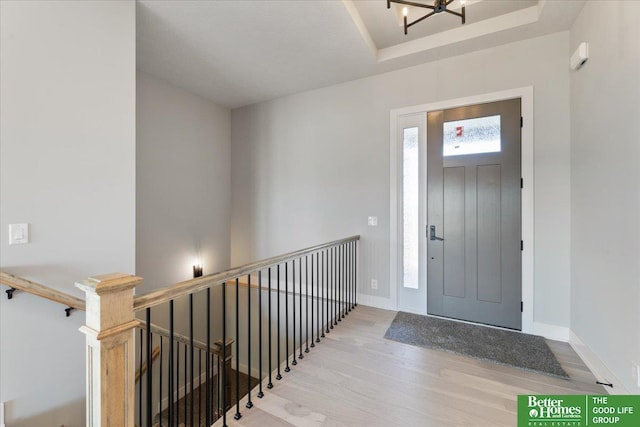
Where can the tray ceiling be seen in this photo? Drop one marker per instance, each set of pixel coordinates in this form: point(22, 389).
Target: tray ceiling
point(240, 52)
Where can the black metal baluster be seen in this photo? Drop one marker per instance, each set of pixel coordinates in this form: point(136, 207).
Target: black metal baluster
point(184, 399)
point(218, 394)
point(160, 382)
point(355, 269)
point(199, 387)
point(345, 261)
point(278, 376)
point(286, 316)
point(238, 415)
point(349, 276)
point(323, 294)
point(177, 383)
point(207, 417)
point(318, 293)
point(223, 388)
point(319, 297)
point(140, 381)
point(293, 304)
point(191, 359)
point(323, 324)
point(345, 268)
point(270, 384)
point(149, 362)
point(260, 392)
point(338, 289)
point(301, 356)
point(306, 302)
point(344, 281)
point(312, 344)
point(355, 274)
point(340, 284)
point(249, 403)
point(335, 286)
point(329, 290)
point(171, 384)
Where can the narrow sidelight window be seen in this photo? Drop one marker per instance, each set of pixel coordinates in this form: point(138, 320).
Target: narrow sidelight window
point(410, 207)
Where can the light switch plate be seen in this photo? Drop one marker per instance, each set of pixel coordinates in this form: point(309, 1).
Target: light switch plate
point(373, 221)
point(18, 234)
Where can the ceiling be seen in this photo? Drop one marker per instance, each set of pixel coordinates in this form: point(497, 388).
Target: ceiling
point(240, 52)
point(380, 20)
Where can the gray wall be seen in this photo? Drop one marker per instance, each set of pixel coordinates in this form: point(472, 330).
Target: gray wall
point(311, 167)
point(605, 183)
point(68, 168)
point(183, 173)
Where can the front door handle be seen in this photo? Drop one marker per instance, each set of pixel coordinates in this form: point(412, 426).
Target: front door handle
point(432, 233)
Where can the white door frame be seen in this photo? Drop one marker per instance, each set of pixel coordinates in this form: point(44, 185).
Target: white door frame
point(526, 95)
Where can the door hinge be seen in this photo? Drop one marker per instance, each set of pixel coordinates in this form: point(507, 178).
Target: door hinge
point(521, 307)
point(521, 121)
point(521, 182)
point(521, 245)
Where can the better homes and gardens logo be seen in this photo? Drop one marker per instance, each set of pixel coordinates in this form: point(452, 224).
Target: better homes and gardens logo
point(554, 409)
point(578, 411)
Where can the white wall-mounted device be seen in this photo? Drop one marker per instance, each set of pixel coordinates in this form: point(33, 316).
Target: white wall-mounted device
point(580, 56)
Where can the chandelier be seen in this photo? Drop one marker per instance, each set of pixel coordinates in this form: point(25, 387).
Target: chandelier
point(437, 7)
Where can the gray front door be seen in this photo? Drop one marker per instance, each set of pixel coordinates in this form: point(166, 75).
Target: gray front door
point(473, 213)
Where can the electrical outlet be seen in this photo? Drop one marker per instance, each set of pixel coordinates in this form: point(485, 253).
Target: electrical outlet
point(374, 284)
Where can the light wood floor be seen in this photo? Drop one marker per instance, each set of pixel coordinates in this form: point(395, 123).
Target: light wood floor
point(355, 377)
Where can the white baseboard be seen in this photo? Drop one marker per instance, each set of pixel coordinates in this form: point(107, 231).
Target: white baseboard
point(375, 301)
point(599, 369)
point(552, 332)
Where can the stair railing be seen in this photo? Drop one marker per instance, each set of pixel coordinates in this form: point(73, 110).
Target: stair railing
point(16, 283)
point(275, 311)
point(316, 285)
point(174, 401)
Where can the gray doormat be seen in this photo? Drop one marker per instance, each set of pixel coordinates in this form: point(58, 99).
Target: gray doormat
point(501, 346)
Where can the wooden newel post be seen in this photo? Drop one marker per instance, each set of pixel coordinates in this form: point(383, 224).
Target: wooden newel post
point(109, 329)
point(226, 365)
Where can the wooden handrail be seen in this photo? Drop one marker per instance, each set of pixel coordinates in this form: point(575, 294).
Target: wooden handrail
point(187, 287)
point(34, 288)
point(216, 348)
point(46, 292)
